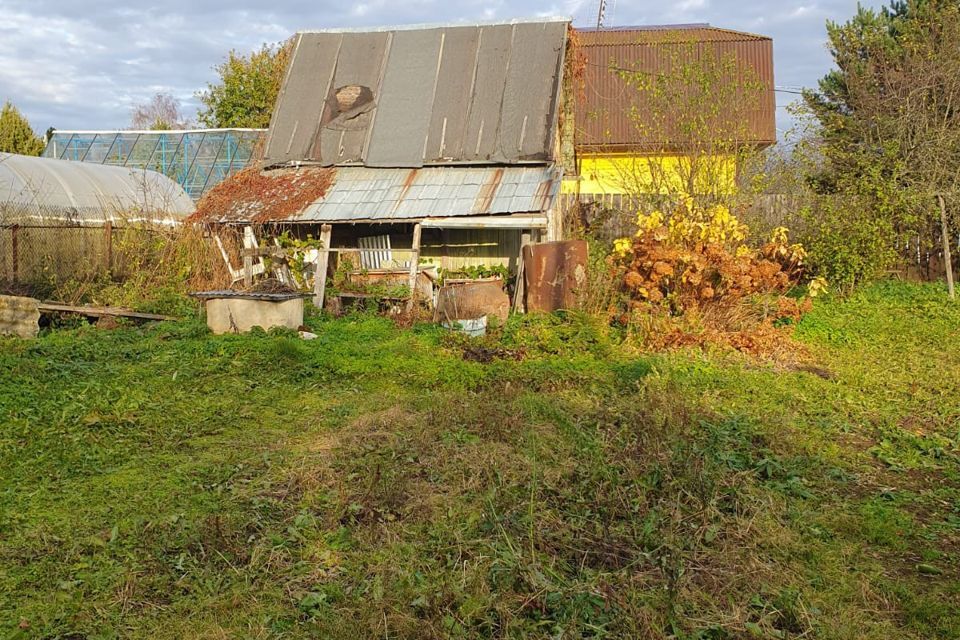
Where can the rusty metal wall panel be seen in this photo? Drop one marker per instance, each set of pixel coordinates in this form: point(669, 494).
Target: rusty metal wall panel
point(405, 103)
point(300, 106)
point(606, 103)
point(445, 140)
point(554, 272)
point(701, 32)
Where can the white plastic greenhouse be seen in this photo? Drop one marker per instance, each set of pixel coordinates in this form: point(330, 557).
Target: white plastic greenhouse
point(49, 192)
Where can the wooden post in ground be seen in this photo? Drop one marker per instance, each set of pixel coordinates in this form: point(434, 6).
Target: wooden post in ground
point(108, 239)
point(947, 258)
point(320, 268)
point(518, 291)
point(414, 266)
point(15, 252)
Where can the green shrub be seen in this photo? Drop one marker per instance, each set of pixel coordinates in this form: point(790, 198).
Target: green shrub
point(847, 243)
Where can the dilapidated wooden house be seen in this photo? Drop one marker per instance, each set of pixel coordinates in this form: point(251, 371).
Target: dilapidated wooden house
point(427, 143)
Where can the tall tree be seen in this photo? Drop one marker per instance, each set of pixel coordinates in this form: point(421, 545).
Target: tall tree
point(889, 120)
point(247, 89)
point(161, 112)
point(16, 135)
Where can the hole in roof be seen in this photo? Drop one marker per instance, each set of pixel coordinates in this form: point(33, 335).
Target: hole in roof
point(352, 96)
point(349, 107)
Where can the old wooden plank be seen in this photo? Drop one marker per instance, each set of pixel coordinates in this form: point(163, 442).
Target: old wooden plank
point(98, 312)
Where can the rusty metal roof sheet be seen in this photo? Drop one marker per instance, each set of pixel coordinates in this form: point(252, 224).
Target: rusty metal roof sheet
point(608, 106)
point(409, 97)
point(361, 194)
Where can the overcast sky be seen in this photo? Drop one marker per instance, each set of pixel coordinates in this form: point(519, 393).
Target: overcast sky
point(83, 64)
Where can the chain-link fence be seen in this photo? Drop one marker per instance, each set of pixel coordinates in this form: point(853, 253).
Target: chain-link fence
point(34, 259)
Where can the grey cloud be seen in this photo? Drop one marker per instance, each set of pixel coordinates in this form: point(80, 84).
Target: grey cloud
point(84, 64)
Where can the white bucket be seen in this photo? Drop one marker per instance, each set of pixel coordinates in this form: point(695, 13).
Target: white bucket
point(473, 328)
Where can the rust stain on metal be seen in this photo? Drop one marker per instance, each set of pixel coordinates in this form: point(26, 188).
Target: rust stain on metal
point(484, 199)
point(543, 194)
point(407, 183)
point(471, 300)
point(554, 273)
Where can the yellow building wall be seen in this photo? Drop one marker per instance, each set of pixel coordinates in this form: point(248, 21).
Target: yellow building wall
point(636, 174)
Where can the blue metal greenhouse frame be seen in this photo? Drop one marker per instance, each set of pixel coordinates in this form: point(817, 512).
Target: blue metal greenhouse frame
point(197, 159)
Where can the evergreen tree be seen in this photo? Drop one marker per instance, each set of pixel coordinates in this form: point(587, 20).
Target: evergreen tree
point(16, 135)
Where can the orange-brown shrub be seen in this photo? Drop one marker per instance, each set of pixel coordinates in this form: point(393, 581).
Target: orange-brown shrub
point(680, 264)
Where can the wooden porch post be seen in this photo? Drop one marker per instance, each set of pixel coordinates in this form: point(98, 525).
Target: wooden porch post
point(414, 266)
point(320, 269)
point(526, 237)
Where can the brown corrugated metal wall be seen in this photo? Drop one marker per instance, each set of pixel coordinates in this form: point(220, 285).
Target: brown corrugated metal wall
point(609, 109)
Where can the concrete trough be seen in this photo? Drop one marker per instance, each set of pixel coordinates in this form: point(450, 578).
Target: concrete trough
point(240, 311)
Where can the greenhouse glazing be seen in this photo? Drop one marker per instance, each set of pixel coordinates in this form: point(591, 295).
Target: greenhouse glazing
point(197, 159)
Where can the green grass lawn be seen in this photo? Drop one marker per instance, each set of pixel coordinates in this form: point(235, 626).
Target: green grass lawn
point(160, 482)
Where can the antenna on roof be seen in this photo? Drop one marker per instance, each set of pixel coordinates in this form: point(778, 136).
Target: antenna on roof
point(600, 12)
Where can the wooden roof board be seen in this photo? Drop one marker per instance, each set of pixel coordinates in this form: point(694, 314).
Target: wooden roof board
point(528, 95)
point(359, 62)
point(485, 99)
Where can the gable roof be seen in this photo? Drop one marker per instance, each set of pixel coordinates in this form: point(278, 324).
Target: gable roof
point(409, 97)
point(665, 33)
point(609, 107)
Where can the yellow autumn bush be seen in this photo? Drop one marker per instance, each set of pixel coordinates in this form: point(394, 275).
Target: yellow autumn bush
point(695, 256)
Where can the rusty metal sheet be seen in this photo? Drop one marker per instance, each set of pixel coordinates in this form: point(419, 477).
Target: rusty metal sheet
point(472, 300)
point(554, 273)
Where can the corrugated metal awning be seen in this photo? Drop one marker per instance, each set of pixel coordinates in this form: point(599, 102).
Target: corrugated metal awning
point(361, 194)
point(383, 195)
